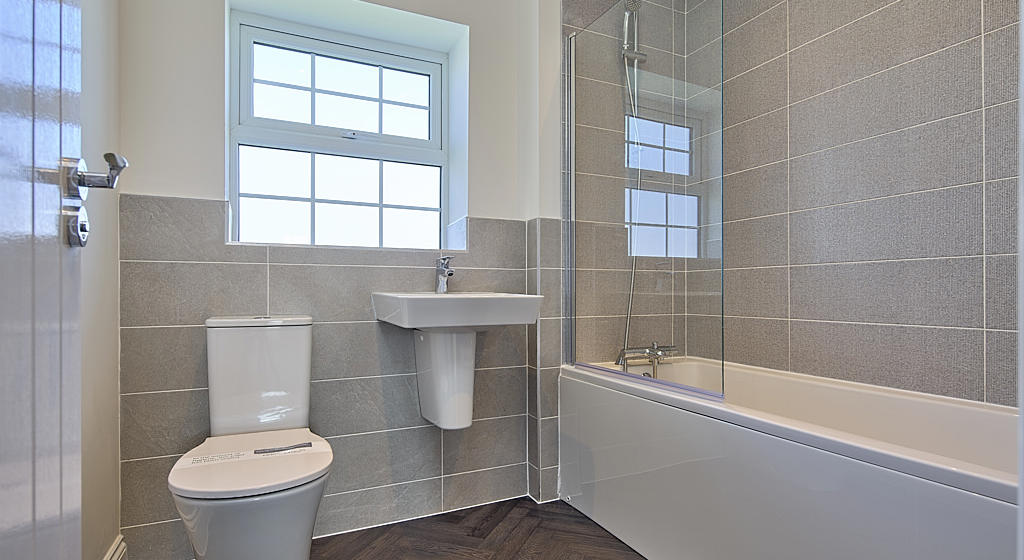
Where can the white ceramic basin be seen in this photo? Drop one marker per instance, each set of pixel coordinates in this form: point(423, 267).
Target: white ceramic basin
point(426, 310)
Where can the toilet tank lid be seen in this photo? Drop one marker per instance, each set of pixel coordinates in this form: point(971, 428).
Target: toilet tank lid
point(259, 321)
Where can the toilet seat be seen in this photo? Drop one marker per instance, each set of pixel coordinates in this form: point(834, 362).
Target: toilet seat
point(240, 465)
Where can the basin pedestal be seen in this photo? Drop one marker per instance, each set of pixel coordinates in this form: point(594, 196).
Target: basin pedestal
point(444, 376)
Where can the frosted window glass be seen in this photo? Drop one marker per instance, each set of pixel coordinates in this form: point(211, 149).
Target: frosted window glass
point(645, 131)
point(682, 242)
point(346, 178)
point(677, 162)
point(274, 172)
point(647, 241)
point(273, 221)
point(682, 210)
point(345, 112)
point(280, 103)
point(646, 206)
point(406, 184)
point(644, 157)
point(406, 121)
point(677, 137)
point(406, 87)
point(341, 224)
point(280, 65)
point(412, 229)
point(347, 77)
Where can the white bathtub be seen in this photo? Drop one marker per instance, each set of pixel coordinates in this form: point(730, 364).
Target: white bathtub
point(788, 466)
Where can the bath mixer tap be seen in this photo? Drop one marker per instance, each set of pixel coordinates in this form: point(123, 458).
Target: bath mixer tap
point(654, 354)
point(444, 272)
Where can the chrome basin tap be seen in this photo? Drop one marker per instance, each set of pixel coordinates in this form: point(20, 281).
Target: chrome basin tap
point(444, 272)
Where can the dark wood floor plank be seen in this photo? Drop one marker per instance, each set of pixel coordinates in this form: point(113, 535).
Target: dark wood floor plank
point(518, 529)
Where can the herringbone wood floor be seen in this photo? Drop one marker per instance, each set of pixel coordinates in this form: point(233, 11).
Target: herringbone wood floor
point(510, 530)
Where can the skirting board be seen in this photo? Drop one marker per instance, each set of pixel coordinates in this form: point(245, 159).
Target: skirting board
point(117, 550)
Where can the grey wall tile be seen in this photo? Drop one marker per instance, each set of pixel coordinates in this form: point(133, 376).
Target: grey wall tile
point(929, 224)
point(756, 192)
point(531, 235)
point(469, 489)
point(939, 85)
point(582, 13)
point(487, 280)
point(756, 342)
point(704, 68)
point(604, 338)
point(704, 337)
point(602, 199)
point(340, 293)
point(606, 292)
point(738, 12)
point(601, 104)
point(901, 162)
point(940, 361)
point(144, 488)
point(501, 347)
point(809, 19)
point(179, 229)
point(352, 406)
point(1001, 368)
point(702, 293)
point(494, 243)
point(886, 38)
point(299, 254)
point(757, 292)
point(757, 41)
point(703, 24)
point(936, 292)
point(163, 358)
point(162, 293)
point(548, 392)
point(1001, 141)
point(383, 458)
point(756, 142)
point(361, 349)
point(157, 424)
point(1001, 292)
point(549, 484)
point(533, 476)
point(549, 343)
point(1001, 65)
point(756, 242)
point(757, 92)
point(999, 13)
point(548, 442)
point(601, 245)
point(499, 392)
point(163, 541)
point(485, 444)
point(532, 441)
point(600, 152)
point(376, 506)
point(549, 243)
point(1001, 217)
point(551, 288)
point(532, 393)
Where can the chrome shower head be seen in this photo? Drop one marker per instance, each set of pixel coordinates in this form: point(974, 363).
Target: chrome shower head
point(632, 5)
point(630, 25)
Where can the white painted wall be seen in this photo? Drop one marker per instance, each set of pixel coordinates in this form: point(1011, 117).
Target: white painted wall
point(174, 101)
point(99, 311)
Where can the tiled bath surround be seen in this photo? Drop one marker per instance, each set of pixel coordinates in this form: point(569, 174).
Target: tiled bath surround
point(390, 464)
point(869, 174)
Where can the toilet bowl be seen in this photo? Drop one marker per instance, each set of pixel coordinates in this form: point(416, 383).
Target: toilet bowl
point(252, 489)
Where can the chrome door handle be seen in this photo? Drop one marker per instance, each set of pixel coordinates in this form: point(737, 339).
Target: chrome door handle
point(75, 183)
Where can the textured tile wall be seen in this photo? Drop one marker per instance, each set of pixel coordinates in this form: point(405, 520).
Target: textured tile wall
point(867, 181)
point(390, 464)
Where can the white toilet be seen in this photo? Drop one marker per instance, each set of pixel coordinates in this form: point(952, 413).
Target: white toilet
point(252, 489)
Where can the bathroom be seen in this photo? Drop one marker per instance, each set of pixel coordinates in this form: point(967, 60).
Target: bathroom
point(728, 279)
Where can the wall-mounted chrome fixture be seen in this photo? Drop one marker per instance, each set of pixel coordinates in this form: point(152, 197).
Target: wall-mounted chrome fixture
point(444, 272)
point(75, 183)
point(631, 33)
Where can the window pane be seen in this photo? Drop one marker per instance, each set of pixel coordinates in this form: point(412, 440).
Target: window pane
point(347, 77)
point(646, 206)
point(682, 243)
point(280, 65)
point(345, 178)
point(677, 137)
point(412, 229)
point(647, 241)
point(345, 112)
point(644, 157)
point(406, 87)
point(273, 221)
point(682, 210)
point(281, 103)
point(341, 224)
point(406, 184)
point(645, 131)
point(275, 172)
point(677, 162)
point(406, 121)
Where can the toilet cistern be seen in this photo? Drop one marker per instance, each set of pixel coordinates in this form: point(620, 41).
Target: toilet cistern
point(445, 327)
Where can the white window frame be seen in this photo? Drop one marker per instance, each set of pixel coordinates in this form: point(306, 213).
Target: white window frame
point(245, 129)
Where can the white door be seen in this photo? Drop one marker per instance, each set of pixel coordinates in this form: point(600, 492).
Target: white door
point(40, 388)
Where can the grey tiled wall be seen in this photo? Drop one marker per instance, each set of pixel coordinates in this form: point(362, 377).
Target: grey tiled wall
point(390, 464)
point(869, 172)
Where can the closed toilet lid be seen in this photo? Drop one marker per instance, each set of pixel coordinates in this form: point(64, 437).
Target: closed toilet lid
point(250, 464)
